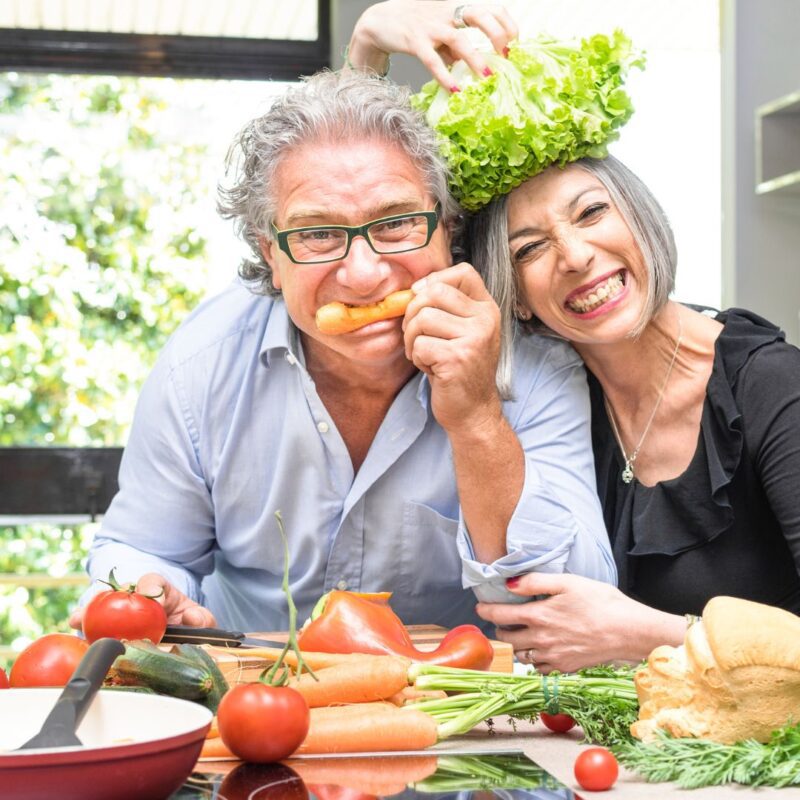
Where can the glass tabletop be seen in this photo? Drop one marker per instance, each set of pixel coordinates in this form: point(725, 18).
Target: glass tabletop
point(507, 776)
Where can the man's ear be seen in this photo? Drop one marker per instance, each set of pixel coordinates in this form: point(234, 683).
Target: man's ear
point(267, 247)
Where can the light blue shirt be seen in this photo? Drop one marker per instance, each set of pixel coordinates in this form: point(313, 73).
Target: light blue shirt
point(229, 429)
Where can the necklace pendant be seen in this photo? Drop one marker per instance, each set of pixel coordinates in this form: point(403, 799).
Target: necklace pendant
point(627, 473)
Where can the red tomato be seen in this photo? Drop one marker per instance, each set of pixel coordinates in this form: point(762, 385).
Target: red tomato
point(123, 613)
point(596, 769)
point(558, 723)
point(49, 661)
point(261, 723)
point(3, 679)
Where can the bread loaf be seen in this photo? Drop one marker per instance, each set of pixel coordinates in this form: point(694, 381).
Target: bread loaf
point(736, 676)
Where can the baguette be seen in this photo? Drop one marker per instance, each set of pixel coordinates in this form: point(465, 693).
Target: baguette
point(337, 318)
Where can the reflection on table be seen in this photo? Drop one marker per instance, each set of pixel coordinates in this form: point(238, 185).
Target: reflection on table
point(505, 776)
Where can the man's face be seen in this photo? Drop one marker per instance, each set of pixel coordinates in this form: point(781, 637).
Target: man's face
point(350, 184)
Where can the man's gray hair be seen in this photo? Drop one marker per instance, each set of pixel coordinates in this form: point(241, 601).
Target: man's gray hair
point(326, 107)
point(488, 248)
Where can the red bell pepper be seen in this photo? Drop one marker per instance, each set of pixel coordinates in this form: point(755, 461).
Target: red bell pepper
point(359, 623)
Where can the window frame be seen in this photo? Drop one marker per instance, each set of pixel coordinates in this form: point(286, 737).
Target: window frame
point(163, 55)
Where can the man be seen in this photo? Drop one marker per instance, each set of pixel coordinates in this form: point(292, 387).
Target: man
point(394, 461)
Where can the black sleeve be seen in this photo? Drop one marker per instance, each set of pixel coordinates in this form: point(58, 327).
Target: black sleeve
point(769, 396)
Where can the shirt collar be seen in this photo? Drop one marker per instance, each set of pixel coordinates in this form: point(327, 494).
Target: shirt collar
point(281, 336)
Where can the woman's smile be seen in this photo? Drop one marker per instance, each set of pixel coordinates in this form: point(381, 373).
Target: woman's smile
point(597, 297)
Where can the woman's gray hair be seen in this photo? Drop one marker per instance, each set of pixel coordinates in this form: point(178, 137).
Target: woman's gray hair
point(487, 235)
point(326, 107)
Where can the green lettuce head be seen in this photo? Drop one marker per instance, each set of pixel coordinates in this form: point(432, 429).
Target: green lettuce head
point(548, 103)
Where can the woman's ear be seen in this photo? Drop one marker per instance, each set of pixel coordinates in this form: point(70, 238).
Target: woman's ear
point(523, 313)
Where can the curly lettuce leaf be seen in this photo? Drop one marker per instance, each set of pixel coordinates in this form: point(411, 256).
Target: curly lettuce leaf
point(549, 102)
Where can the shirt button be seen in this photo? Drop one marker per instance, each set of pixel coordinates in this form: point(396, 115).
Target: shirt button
point(291, 359)
point(322, 427)
point(342, 585)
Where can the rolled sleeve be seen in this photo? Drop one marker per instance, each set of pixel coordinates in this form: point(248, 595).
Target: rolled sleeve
point(558, 524)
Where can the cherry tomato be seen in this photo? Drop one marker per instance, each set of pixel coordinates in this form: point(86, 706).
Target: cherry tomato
point(596, 769)
point(123, 613)
point(3, 679)
point(261, 723)
point(263, 781)
point(49, 661)
point(558, 723)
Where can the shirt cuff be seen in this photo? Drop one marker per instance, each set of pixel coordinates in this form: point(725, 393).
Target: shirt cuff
point(130, 564)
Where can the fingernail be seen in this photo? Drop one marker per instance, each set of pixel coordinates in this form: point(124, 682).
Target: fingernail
point(454, 89)
point(512, 582)
point(487, 72)
point(505, 52)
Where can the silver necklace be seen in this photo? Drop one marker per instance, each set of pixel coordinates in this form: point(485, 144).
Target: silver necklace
point(627, 471)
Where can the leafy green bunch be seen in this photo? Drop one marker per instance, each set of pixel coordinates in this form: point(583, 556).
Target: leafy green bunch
point(549, 102)
point(602, 700)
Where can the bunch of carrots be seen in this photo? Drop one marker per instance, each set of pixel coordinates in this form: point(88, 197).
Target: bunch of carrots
point(357, 703)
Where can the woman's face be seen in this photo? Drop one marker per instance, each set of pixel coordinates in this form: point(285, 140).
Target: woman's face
point(578, 266)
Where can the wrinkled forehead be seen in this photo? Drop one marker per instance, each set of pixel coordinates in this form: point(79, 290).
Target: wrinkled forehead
point(348, 177)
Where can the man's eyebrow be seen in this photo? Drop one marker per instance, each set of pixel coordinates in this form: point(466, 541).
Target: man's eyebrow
point(312, 216)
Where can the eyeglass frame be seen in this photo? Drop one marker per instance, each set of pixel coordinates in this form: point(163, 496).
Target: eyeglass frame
point(432, 217)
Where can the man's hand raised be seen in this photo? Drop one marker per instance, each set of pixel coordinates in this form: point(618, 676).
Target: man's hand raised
point(452, 333)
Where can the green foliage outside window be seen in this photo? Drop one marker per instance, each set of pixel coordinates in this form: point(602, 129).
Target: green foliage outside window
point(100, 259)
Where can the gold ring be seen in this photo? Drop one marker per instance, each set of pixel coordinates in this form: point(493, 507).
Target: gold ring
point(458, 17)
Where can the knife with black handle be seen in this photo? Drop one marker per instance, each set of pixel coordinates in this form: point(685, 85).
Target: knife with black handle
point(186, 634)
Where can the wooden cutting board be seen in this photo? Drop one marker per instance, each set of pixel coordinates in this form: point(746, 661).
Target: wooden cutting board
point(238, 667)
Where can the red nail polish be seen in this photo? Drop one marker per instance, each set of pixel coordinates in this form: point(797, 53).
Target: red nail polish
point(512, 582)
point(487, 72)
point(454, 89)
point(505, 52)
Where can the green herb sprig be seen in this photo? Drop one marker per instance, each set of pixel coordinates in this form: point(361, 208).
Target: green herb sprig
point(692, 763)
point(601, 700)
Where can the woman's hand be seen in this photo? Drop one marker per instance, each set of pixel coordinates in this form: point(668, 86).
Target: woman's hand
point(179, 608)
point(581, 623)
point(427, 30)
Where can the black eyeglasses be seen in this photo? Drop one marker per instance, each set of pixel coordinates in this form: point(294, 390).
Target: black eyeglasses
point(399, 233)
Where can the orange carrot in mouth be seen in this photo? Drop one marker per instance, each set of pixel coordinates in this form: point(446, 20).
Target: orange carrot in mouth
point(336, 318)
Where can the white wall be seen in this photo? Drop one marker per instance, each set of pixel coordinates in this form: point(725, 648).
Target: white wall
point(761, 233)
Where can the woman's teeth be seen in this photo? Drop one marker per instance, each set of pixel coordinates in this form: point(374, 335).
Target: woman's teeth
point(597, 295)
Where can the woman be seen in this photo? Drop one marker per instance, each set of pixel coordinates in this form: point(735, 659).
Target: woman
point(696, 417)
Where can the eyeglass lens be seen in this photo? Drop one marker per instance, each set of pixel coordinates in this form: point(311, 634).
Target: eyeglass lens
point(389, 236)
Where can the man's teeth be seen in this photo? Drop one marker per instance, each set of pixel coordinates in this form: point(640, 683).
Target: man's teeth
point(597, 295)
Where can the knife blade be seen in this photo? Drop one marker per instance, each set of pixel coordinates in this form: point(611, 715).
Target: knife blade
point(186, 634)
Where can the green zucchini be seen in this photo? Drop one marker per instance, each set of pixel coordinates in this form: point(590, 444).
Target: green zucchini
point(201, 658)
point(144, 664)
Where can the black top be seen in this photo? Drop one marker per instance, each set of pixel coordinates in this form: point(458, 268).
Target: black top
point(730, 524)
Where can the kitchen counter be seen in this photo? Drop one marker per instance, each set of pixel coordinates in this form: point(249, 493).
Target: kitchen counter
point(556, 753)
